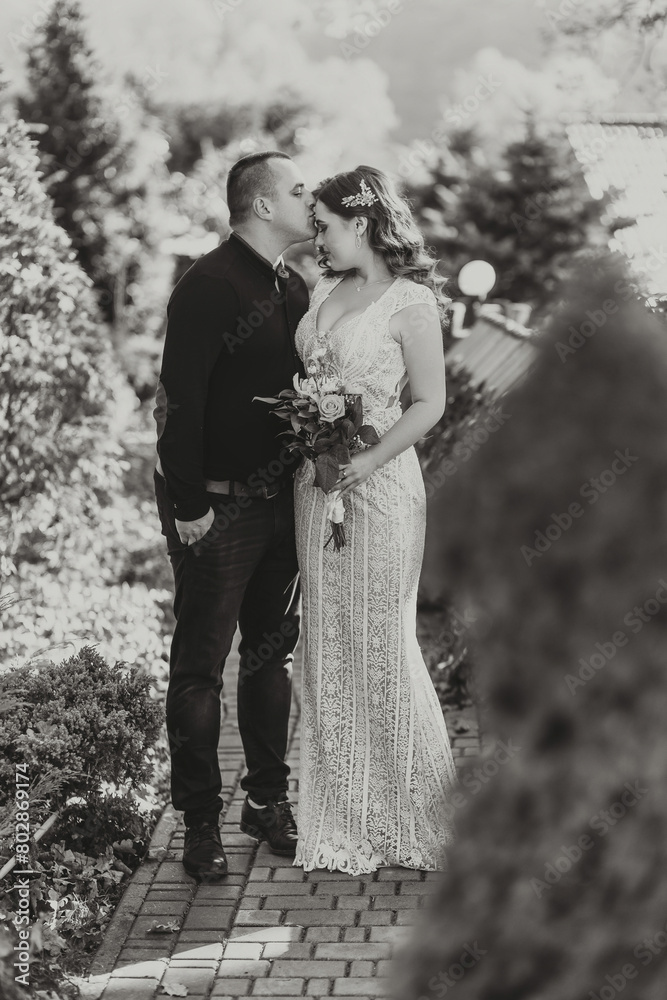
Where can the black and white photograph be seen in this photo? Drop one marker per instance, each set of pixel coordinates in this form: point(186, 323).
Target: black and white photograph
point(333, 499)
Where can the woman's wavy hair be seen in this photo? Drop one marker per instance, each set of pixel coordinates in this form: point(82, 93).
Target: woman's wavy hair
point(392, 231)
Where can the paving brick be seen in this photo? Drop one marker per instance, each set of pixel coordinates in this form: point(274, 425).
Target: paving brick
point(360, 987)
point(289, 875)
point(197, 981)
point(276, 987)
point(130, 989)
point(237, 967)
point(284, 934)
point(360, 969)
point(146, 969)
point(354, 902)
point(310, 918)
point(140, 929)
point(266, 859)
point(262, 874)
point(406, 917)
point(171, 908)
point(417, 889)
point(211, 951)
point(244, 949)
point(153, 944)
point(385, 888)
point(296, 902)
point(354, 934)
point(287, 949)
point(168, 892)
point(394, 935)
point(208, 918)
point(131, 954)
point(325, 933)
point(318, 988)
point(231, 988)
point(193, 963)
point(348, 950)
point(218, 893)
point(274, 889)
point(306, 969)
point(257, 918)
point(349, 888)
point(375, 918)
point(397, 874)
point(201, 937)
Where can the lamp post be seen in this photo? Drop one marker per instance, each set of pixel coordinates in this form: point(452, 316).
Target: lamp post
point(475, 279)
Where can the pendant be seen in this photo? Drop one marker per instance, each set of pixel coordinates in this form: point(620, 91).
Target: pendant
point(282, 272)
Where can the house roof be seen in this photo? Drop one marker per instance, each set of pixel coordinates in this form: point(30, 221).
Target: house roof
point(496, 351)
point(625, 156)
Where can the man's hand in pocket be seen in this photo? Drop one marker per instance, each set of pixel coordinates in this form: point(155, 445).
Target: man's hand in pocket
point(192, 531)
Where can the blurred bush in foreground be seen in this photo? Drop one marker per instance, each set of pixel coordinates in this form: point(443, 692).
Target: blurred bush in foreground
point(557, 882)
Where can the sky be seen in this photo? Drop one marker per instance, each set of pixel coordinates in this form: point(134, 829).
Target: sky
point(418, 44)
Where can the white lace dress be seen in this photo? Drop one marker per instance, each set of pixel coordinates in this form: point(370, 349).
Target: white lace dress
point(375, 761)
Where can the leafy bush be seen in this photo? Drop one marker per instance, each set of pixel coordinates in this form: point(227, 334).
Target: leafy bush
point(559, 872)
point(82, 719)
point(441, 628)
point(88, 733)
point(59, 386)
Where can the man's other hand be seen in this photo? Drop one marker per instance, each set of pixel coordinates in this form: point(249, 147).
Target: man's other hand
point(192, 531)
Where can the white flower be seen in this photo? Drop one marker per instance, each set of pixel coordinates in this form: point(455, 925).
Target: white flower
point(331, 407)
point(306, 387)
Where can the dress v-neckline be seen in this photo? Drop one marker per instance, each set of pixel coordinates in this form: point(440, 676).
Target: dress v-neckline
point(335, 329)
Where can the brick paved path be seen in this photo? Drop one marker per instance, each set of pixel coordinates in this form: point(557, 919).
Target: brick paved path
point(268, 930)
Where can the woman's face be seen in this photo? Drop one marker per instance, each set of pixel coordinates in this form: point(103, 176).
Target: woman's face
point(336, 239)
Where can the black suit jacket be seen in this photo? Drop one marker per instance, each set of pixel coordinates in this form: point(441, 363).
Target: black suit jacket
point(230, 337)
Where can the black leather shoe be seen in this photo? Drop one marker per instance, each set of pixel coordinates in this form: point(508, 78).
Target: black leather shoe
point(203, 855)
point(273, 823)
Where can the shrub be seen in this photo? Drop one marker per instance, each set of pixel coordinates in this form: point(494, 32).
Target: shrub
point(82, 719)
point(559, 870)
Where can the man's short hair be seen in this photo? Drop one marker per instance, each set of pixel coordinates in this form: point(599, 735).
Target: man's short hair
point(250, 178)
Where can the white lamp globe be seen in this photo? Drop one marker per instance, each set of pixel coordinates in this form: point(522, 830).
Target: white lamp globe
point(477, 278)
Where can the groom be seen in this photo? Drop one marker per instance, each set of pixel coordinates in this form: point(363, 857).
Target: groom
point(223, 487)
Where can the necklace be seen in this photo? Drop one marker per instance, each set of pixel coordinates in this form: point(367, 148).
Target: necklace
point(380, 281)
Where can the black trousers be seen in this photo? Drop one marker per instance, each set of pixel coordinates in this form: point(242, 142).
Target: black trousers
point(243, 570)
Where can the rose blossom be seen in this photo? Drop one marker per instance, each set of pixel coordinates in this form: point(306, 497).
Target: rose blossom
point(331, 407)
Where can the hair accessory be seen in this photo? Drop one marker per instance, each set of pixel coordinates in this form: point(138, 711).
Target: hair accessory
point(365, 197)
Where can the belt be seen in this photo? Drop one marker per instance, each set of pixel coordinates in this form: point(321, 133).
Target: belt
point(232, 488)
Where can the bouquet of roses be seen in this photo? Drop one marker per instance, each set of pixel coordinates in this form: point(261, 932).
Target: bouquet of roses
point(326, 426)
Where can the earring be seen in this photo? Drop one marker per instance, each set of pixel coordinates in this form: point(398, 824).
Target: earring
point(358, 241)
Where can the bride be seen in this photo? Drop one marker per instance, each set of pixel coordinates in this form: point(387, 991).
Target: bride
point(375, 761)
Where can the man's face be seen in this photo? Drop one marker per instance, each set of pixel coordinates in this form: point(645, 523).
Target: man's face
point(293, 204)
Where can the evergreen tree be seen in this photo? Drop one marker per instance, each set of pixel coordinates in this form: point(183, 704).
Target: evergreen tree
point(57, 378)
point(101, 162)
point(529, 215)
